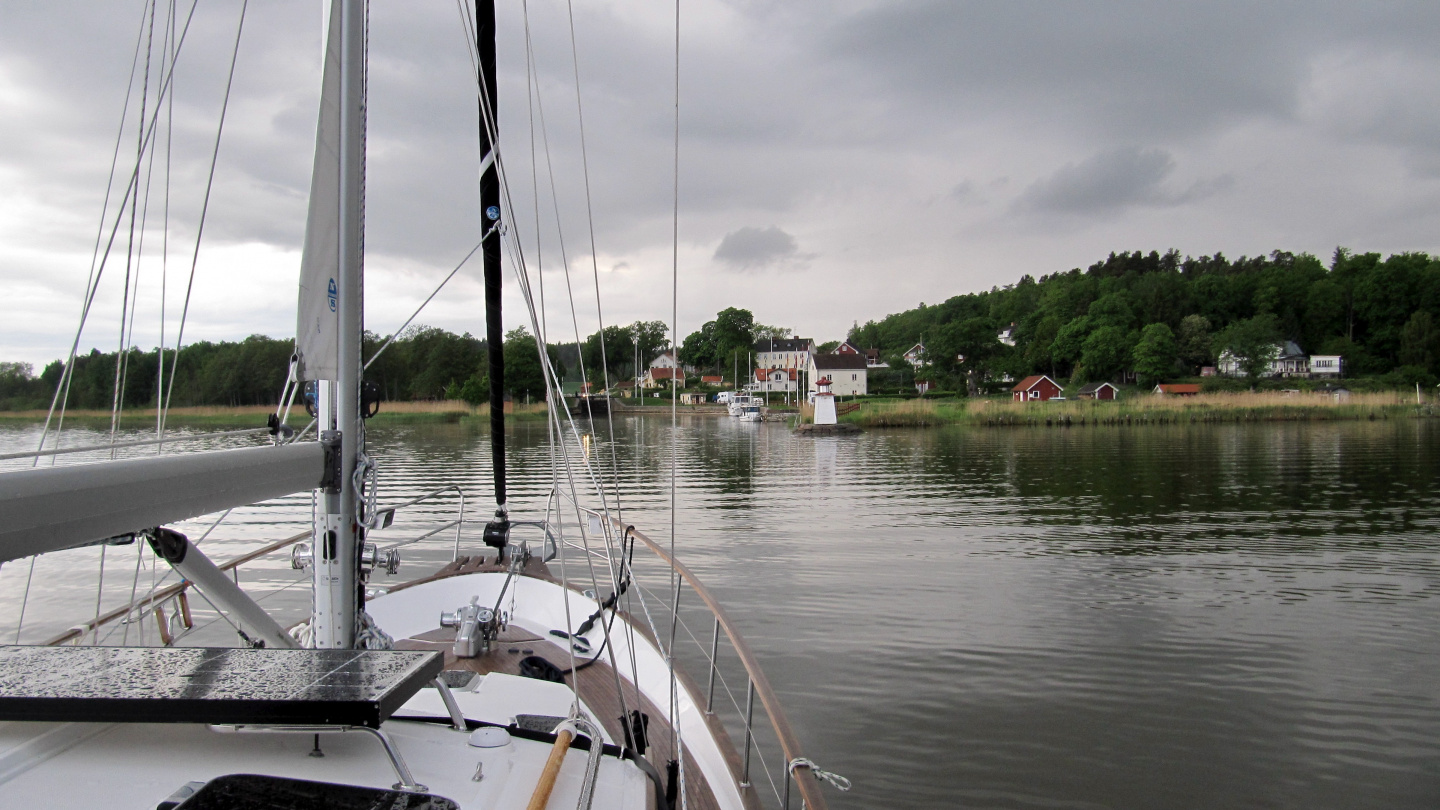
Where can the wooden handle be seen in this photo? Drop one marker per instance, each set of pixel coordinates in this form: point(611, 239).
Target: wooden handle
point(541, 796)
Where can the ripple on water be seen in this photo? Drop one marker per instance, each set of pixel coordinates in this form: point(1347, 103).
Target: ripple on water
point(1204, 616)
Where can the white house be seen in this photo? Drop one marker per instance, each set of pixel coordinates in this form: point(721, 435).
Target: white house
point(872, 356)
point(783, 353)
point(780, 380)
point(1007, 335)
point(846, 372)
point(1286, 360)
point(1325, 365)
point(659, 375)
point(665, 360)
point(915, 356)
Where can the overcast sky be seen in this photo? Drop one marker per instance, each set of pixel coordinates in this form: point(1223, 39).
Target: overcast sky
point(838, 161)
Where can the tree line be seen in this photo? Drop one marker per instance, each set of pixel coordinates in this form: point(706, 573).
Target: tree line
point(422, 363)
point(1165, 316)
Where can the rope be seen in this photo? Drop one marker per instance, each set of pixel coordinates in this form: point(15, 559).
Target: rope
point(369, 636)
point(825, 776)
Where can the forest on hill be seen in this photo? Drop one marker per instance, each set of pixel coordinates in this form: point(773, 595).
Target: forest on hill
point(1164, 316)
point(1159, 317)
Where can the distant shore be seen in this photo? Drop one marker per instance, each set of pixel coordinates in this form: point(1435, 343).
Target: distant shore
point(1143, 409)
point(434, 411)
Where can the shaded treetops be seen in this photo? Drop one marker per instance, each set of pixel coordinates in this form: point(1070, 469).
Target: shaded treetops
point(422, 363)
point(1379, 313)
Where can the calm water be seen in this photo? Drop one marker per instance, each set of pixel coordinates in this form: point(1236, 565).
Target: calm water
point(1179, 617)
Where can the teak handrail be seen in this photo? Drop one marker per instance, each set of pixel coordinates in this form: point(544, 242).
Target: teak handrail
point(789, 745)
point(169, 591)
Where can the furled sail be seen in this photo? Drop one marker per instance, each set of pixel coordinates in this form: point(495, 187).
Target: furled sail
point(317, 329)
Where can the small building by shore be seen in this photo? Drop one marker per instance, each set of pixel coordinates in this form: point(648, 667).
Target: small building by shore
point(1177, 389)
point(1101, 390)
point(1036, 388)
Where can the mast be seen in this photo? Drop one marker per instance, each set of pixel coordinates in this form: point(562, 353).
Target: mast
point(337, 229)
point(352, 279)
point(496, 533)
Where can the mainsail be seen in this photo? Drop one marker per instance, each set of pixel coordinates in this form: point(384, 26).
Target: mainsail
point(317, 327)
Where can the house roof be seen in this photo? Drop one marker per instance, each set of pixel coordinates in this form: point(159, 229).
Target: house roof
point(766, 374)
point(846, 347)
point(798, 344)
point(712, 378)
point(839, 361)
point(1033, 380)
point(1178, 388)
point(1091, 388)
point(920, 346)
point(666, 373)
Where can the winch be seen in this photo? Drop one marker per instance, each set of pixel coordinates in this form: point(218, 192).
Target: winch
point(475, 628)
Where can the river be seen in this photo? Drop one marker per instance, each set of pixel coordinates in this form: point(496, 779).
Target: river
point(1180, 617)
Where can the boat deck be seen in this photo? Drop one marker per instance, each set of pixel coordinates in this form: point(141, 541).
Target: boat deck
point(596, 683)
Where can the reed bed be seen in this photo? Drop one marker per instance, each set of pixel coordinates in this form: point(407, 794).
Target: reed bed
point(1141, 409)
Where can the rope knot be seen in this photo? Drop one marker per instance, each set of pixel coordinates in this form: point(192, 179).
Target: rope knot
point(825, 776)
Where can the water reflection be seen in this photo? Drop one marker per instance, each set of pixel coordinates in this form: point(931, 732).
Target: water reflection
point(1163, 616)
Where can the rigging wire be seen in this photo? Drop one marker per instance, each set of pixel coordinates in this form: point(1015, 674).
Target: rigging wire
point(594, 259)
point(674, 416)
point(204, 210)
point(131, 260)
point(97, 269)
point(165, 236)
point(517, 253)
point(431, 297)
point(62, 392)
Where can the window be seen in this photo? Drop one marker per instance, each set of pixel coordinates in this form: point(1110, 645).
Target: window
point(854, 377)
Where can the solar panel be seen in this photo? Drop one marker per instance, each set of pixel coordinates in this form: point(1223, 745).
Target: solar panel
point(210, 685)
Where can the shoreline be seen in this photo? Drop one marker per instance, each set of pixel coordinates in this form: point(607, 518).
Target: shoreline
point(896, 413)
point(398, 413)
point(1140, 410)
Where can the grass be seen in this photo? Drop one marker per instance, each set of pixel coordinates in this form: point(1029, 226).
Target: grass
point(1140, 409)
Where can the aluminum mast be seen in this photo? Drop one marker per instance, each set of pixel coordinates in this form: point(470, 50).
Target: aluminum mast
point(337, 534)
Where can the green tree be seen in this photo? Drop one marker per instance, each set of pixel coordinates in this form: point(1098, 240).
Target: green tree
point(1194, 342)
point(1252, 342)
point(1156, 354)
point(476, 390)
point(524, 375)
point(1420, 342)
point(967, 347)
point(1106, 352)
point(1070, 342)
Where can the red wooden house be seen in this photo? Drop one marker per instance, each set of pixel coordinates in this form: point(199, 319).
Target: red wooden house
point(1036, 388)
point(1102, 390)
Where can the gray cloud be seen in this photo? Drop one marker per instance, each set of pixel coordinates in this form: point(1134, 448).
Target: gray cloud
point(1111, 181)
point(851, 123)
point(751, 248)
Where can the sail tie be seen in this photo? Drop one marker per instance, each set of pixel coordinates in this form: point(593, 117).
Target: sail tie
point(825, 776)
